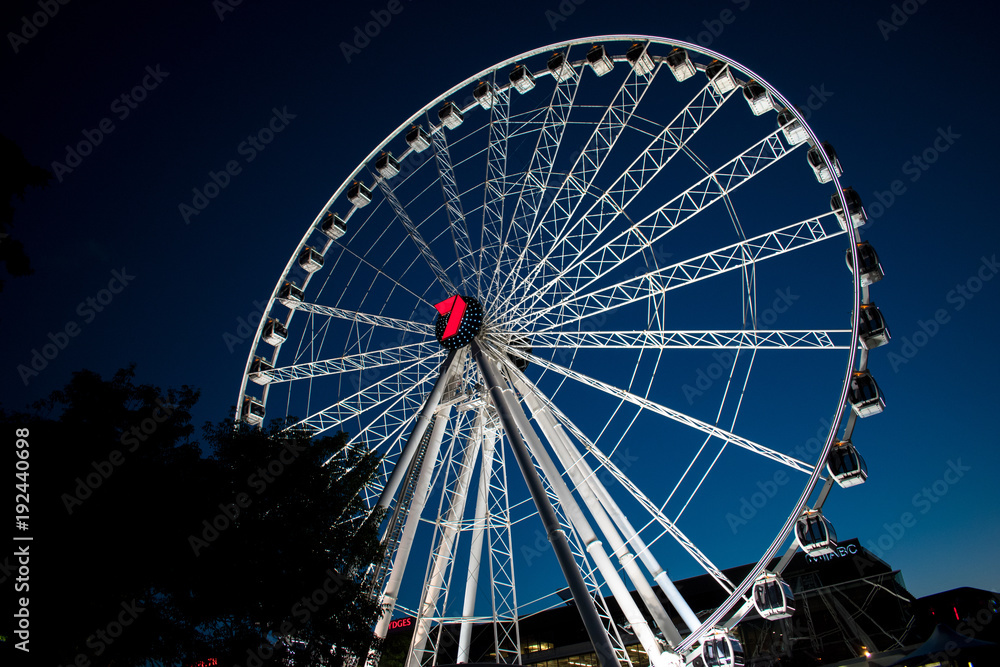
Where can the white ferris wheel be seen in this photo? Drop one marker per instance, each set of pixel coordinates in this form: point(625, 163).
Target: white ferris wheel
point(590, 304)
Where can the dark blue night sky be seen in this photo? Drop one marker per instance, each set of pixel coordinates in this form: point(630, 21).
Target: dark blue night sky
point(141, 110)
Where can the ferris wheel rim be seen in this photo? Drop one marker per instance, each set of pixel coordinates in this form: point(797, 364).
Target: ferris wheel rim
point(859, 294)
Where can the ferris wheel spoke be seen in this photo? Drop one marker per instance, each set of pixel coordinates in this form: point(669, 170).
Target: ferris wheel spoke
point(453, 204)
point(671, 140)
point(654, 407)
point(361, 318)
point(526, 387)
point(779, 339)
point(495, 185)
point(371, 396)
point(415, 235)
point(654, 283)
point(654, 226)
point(354, 362)
point(536, 177)
point(579, 181)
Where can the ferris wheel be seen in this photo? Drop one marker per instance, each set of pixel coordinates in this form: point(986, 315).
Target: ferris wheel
point(590, 305)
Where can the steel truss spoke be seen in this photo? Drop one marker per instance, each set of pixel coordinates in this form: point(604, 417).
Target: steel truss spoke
point(495, 185)
point(656, 408)
point(580, 178)
point(354, 362)
point(792, 339)
point(536, 177)
point(371, 396)
point(658, 281)
point(362, 318)
point(611, 204)
point(456, 218)
point(418, 239)
point(650, 229)
point(682, 540)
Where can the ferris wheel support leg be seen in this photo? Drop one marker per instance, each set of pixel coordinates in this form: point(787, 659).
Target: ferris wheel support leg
point(419, 428)
point(589, 537)
point(443, 555)
point(560, 545)
point(476, 547)
point(625, 526)
point(582, 476)
point(410, 527)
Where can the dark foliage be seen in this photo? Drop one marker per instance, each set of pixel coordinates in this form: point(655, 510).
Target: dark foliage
point(133, 525)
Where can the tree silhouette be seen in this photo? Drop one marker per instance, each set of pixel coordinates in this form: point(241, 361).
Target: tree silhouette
point(16, 175)
point(142, 552)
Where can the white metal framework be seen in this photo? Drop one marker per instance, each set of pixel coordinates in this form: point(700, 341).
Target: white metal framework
point(665, 325)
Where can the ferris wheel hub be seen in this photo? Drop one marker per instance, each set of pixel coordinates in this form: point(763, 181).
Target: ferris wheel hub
point(460, 318)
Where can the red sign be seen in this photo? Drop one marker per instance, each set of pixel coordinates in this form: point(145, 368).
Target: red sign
point(401, 623)
point(456, 306)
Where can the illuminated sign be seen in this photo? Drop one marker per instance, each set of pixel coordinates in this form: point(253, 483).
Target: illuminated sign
point(209, 662)
point(401, 623)
point(459, 320)
point(838, 552)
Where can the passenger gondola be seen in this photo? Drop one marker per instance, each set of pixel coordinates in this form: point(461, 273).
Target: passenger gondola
point(871, 268)
point(333, 226)
point(417, 139)
point(484, 94)
point(819, 166)
point(253, 410)
point(522, 79)
point(721, 77)
point(757, 98)
point(718, 649)
point(815, 534)
point(274, 332)
point(772, 597)
point(845, 465)
point(864, 395)
point(258, 369)
point(310, 259)
point(790, 126)
point(599, 61)
point(680, 64)
point(289, 294)
point(561, 70)
point(450, 116)
point(639, 59)
point(872, 330)
point(359, 194)
point(857, 212)
point(386, 165)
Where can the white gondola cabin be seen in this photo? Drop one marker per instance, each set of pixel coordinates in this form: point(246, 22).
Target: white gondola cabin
point(815, 534)
point(757, 98)
point(450, 116)
point(718, 649)
point(386, 165)
point(599, 61)
point(819, 165)
point(721, 77)
point(680, 64)
point(871, 268)
point(845, 465)
point(790, 126)
point(274, 333)
point(865, 396)
point(872, 330)
point(417, 139)
point(258, 370)
point(772, 597)
point(639, 59)
point(857, 212)
point(485, 95)
point(561, 70)
point(359, 194)
point(310, 259)
point(253, 410)
point(333, 226)
point(522, 79)
point(289, 294)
